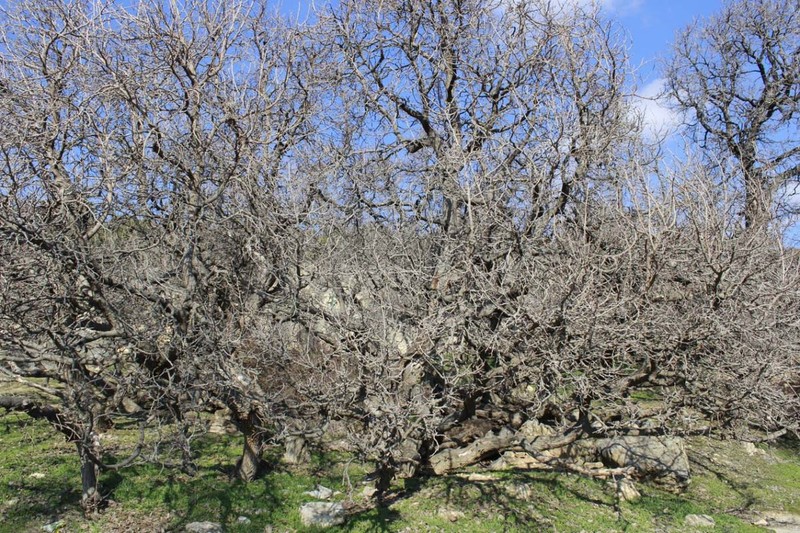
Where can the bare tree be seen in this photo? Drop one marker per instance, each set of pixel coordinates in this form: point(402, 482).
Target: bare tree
point(490, 198)
point(212, 102)
point(468, 133)
point(147, 217)
point(736, 76)
point(63, 326)
point(424, 222)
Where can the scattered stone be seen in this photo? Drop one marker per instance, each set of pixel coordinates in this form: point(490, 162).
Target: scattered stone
point(37, 475)
point(243, 520)
point(369, 491)
point(516, 460)
point(451, 515)
point(752, 450)
point(203, 527)
point(130, 407)
point(627, 490)
point(532, 429)
point(322, 514)
point(520, 491)
point(762, 522)
point(699, 520)
point(53, 527)
point(782, 518)
point(517, 419)
point(320, 493)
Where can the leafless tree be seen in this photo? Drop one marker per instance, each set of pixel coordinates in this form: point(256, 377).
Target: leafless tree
point(490, 198)
point(736, 76)
point(469, 132)
point(415, 221)
point(146, 216)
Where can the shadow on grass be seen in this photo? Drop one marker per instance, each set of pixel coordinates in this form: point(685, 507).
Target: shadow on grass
point(39, 472)
point(376, 519)
point(213, 493)
point(731, 477)
point(513, 500)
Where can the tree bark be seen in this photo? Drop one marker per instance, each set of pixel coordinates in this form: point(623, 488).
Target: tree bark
point(85, 441)
point(90, 493)
point(248, 464)
point(454, 459)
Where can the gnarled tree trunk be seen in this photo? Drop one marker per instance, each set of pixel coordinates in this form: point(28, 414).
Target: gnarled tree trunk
point(85, 441)
point(248, 464)
point(90, 482)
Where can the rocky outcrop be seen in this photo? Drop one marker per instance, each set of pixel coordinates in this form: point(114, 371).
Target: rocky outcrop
point(651, 457)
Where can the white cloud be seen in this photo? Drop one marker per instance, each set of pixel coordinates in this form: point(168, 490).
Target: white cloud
point(658, 119)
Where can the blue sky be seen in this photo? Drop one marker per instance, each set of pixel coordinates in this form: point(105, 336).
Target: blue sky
point(652, 25)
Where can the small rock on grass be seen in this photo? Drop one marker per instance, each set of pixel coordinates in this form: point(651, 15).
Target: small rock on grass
point(699, 520)
point(54, 526)
point(627, 490)
point(450, 514)
point(320, 493)
point(368, 492)
point(203, 527)
point(322, 514)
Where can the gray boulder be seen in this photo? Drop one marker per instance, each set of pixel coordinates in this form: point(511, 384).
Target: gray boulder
point(655, 457)
point(322, 514)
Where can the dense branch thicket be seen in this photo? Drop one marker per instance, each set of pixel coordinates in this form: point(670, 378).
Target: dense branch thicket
point(403, 221)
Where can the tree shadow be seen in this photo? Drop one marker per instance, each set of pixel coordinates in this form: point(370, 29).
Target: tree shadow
point(515, 495)
point(704, 460)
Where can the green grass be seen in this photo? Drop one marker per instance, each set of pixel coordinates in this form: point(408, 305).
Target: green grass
point(729, 482)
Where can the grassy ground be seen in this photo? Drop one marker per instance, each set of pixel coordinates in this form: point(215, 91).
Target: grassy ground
point(39, 485)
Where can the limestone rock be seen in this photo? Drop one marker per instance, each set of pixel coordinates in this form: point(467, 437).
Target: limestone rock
point(203, 527)
point(651, 456)
point(322, 514)
point(627, 490)
point(320, 493)
point(515, 460)
point(699, 520)
point(368, 492)
point(130, 407)
point(451, 515)
point(53, 527)
point(532, 429)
